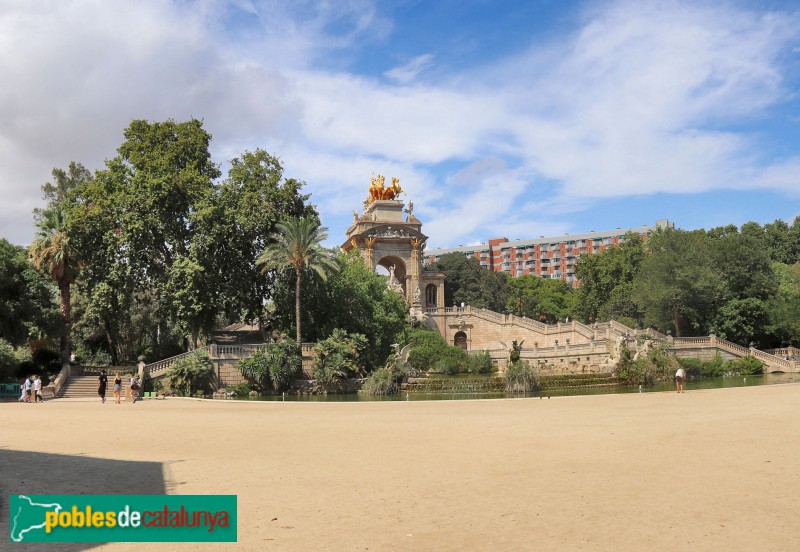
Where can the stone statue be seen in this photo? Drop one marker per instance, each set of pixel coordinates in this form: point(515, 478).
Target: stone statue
point(393, 282)
point(417, 295)
point(410, 209)
point(355, 215)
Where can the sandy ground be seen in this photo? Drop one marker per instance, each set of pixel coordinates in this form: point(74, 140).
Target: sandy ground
point(715, 470)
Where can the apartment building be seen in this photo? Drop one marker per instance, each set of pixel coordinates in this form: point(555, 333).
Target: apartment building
point(544, 257)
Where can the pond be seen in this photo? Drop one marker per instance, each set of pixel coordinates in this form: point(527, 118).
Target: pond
point(691, 384)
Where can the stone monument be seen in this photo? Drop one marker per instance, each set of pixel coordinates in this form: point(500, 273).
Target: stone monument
point(385, 237)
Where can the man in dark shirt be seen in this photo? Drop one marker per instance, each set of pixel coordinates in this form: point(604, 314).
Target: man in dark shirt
point(102, 381)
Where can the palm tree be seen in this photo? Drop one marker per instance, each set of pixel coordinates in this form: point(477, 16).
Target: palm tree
point(298, 246)
point(52, 254)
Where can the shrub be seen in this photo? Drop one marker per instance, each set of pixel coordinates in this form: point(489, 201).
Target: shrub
point(431, 353)
point(275, 368)
point(285, 364)
point(382, 381)
point(746, 366)
point(239, 390)
point(521, 377)
point(191, 374)
point(8, 362)
point(480, 363)
point(692, 366)
point(444, 366)
point(713, 368)
point(338, 356)
point(255, 369)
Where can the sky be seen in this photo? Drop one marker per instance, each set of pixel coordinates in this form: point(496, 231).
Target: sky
point(500, 118)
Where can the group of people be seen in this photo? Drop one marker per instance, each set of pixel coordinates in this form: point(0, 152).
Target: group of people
point(102, 384)
point(31, 390)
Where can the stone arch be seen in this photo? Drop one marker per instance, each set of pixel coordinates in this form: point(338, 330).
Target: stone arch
point(460, 340)
point(430, 296)
point(400, 270)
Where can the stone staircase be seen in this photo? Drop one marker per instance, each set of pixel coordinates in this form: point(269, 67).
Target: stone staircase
point(86, 386)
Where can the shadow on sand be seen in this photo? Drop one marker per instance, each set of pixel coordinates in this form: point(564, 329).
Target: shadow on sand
point(39, 473)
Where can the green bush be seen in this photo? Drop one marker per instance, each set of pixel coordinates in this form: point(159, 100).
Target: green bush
point(692, 366)
point(657, 365)
point(338, 356)
point(716, 367)
point(239, 390)
point(480, 363)
point(746, 366)
point(521, 377)
point(382, 381)
point(255, 369)
point(191, 374)
point(431, 353)
point(275, 368)
point(8, 363)
point(285, 364)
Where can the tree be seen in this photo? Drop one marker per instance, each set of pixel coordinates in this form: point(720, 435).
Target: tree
point(52, 253)
point(27, 309)
point(541, 299)
point(607, 281)
point(678, 285)
point(238, 225)
point(354, 299)
point(359, 302)
point(57, 193)
point(466, 282)
point(779, 247)
point(784, 306)
point(298, 246)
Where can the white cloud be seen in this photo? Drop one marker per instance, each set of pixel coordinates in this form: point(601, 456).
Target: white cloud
point(641, 98)
point(404, 74)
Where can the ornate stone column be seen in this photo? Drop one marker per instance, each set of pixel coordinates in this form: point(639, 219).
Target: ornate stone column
point(370, 242)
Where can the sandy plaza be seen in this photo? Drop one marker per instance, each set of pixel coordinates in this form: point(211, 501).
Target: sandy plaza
point(707, 470)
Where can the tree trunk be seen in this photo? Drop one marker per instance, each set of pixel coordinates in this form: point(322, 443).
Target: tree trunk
point(63, 286)
point(112, 344)
point(297, 304)
point(676, 321)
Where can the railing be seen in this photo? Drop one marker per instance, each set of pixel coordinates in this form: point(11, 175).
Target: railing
point(791, 352)
point(685, 343)
point(217, 352)
point(531, 324)
point(583, 329)
point(61, 379)
point(161, 366)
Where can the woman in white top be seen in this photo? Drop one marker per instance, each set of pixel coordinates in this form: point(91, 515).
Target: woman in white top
point(680, 375)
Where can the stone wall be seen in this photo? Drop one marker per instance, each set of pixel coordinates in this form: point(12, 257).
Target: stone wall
point(705, 354)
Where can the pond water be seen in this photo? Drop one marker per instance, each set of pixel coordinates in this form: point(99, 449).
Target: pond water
point(691, 384)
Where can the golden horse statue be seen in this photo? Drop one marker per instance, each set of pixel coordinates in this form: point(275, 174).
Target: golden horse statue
point(378, 190)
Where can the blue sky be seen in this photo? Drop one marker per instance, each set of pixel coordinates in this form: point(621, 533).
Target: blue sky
point(514, 119)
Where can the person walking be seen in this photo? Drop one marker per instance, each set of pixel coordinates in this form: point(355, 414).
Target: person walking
point(23, 397)
point(102, 383)
point(28, 386)
point(117, 387)
point(37, 389)
point(680, 375)
point(134, 384)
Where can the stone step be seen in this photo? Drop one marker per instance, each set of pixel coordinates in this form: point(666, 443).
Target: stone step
point(86, 386)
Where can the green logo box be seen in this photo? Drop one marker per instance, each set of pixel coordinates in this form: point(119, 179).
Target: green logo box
point(122, 518)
